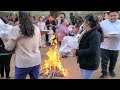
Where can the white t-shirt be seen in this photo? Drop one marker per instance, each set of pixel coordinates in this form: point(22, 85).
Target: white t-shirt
point(81, 27)
point(113, 29)
point(50, 34)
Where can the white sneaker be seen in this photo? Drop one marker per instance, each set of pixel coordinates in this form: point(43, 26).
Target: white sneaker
point(2, 78)
point(8, 78)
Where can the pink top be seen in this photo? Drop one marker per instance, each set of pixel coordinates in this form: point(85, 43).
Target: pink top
point(62, 32)
point(41, 25)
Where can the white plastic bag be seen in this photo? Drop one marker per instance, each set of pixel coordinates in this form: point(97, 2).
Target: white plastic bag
point(5, 28)
point(67, 45)
point(1, 22)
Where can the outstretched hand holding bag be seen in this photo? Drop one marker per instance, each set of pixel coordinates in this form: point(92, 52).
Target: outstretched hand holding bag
point(70, 44)
point(11, 40)
point(78, 39)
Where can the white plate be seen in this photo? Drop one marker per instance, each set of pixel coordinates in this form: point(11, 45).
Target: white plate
point(44, 30)
point(114, 33)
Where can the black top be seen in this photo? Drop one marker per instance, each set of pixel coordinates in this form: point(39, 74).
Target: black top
point(51, 22)
point(89, 50)
point(3, 50)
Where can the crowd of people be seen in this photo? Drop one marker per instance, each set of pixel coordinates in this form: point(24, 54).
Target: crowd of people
point(96, 44)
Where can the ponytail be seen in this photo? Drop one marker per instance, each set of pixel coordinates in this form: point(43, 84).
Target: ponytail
point(99, 29)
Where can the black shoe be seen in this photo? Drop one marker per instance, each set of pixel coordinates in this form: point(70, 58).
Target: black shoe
point(112, 74)
point(64, 56)
point(49, 44)
point(103, 76)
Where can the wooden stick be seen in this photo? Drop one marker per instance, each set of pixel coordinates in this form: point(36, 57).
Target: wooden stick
point(50, 75)
point(53, 74)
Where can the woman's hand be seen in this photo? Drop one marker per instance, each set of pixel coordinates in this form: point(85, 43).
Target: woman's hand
point(4, 38)
point(106, 36)
point(74, 52)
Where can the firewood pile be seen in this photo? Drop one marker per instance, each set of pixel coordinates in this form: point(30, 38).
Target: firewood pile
point(52, 74)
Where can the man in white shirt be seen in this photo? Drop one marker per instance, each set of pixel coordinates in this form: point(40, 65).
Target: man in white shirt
point(111, 45)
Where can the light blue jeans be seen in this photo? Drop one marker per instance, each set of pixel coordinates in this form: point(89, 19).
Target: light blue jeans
point(86, 74)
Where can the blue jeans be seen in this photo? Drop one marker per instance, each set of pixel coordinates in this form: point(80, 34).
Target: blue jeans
point(86, 74)
point(21, 73)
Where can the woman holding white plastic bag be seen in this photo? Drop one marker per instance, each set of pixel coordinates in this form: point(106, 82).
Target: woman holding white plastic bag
point(89, 48)
point(5, 56)
point(25, 39)
point(71, 42)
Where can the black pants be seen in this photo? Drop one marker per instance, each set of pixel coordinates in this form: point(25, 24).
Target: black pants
point(5, 64)
point(46, 38)
point(107, 55)
point(59, 42)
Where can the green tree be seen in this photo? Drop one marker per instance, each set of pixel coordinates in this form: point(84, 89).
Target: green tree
point(55, 14)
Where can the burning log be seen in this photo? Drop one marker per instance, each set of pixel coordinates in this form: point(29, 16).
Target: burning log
point(53, 67)
point(50, 75)
point(53, 74)
point(41, 73)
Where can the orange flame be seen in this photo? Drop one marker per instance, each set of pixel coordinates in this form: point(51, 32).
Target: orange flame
point(54, 40)
point(53, 62)
point(59, 34)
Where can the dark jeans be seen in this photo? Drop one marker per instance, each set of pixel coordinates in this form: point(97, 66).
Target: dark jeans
point(107, 55)
point(5, 64)
point(59, 42)
point(46, 38)
point(21, 73)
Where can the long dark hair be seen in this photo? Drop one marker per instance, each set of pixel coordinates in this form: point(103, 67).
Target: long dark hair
point(16, 19)
point(26, 25)
point(95, 25)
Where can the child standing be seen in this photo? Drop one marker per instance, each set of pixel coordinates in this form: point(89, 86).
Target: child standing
point(50, 35)
point(42, 26)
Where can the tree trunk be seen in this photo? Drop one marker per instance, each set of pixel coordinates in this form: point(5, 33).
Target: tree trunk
point(55, 14)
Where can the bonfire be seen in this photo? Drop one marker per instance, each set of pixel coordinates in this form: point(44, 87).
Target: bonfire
point(52, 67)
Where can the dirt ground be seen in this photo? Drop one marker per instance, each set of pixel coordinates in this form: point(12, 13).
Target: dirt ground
point(72, 67)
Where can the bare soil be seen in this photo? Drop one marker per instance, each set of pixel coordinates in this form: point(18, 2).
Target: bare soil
point(71, 64)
